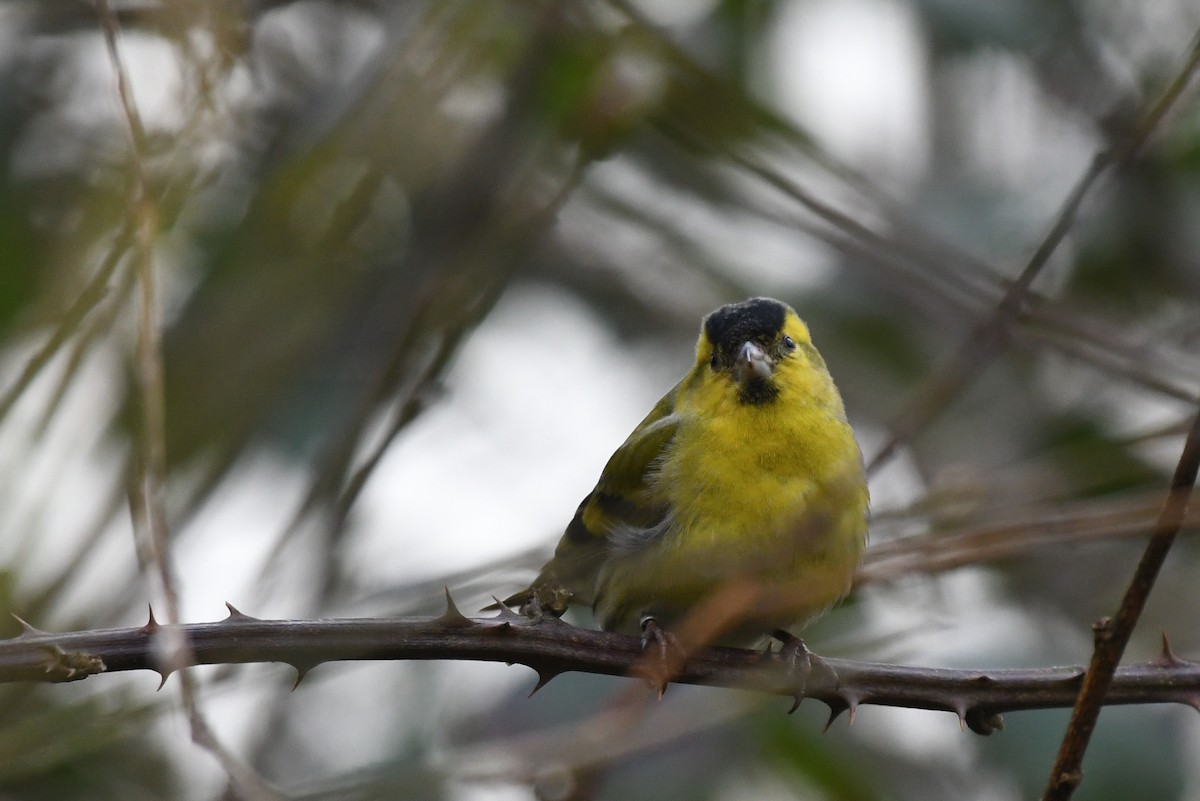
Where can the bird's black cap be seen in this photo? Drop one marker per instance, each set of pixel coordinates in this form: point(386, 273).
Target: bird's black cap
point(757, 319)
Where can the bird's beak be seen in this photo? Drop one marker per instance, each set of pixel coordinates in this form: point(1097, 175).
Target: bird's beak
point(753, 364)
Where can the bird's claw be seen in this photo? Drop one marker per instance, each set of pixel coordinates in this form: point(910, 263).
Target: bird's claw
point(545, 603)
point(670, 657)
point(532, 608)
point(796, 656)
point(801, 662)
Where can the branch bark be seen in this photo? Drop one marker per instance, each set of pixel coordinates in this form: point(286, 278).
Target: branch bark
point(551, 647)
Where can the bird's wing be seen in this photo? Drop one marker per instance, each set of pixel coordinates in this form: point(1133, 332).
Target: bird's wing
point(627, 497)
point(627, 494)
point(625, 509)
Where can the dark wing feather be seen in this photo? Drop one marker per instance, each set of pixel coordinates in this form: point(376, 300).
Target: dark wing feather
point(623, 501)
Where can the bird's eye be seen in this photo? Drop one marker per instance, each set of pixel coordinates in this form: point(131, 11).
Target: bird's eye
point(789, 343)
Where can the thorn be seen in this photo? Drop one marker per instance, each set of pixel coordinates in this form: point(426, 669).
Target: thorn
point(151, 624)
point(960, 709)
point(301, 672)
point(796, 699)
point(544, 678)
point(452, 618)
point(236, 614)
point(27, 630)
point(1167, 659)
point(836, 708)
point(853, 708)
point(165, 674)
point(506, 611)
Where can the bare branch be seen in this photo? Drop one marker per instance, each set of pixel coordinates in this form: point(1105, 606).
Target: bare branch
point(1112, 635)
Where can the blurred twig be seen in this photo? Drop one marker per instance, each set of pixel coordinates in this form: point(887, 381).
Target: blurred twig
point(984, 542)
point(147, 486)
point(906, 243)
point(933, 275)
point(88, 298)
point(930, 268)
point(146, 496)
point(469, 228)
point(989, 336)
point(1112, 635)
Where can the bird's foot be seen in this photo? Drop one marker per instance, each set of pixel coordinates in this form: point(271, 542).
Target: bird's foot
point(665, 655)
point(801, 662)
point(796, 656)
point(532, 608)
point(545, 602)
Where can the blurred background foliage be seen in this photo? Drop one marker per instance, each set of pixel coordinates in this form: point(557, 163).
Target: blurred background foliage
point(424, 264)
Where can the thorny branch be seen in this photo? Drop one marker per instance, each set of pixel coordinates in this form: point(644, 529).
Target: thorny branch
point(551, 647)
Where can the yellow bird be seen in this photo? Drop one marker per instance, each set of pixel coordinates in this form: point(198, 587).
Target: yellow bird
point(736, 508)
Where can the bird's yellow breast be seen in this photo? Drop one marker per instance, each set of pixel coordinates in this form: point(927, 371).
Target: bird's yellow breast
point(743, 476)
